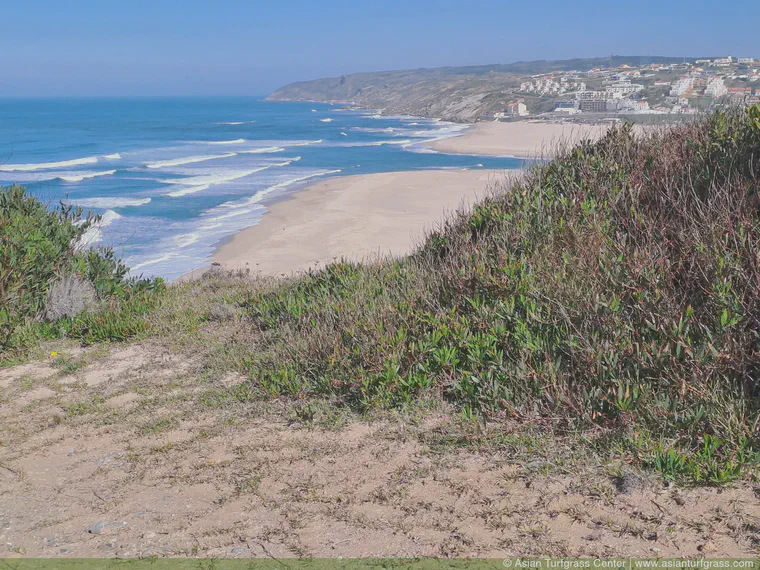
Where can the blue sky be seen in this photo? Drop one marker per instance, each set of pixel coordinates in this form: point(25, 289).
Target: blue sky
point(235, 47)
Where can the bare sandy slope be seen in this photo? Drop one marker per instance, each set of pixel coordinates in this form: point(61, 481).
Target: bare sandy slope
point(527, 139)
point(353, 217)
point(132, 451)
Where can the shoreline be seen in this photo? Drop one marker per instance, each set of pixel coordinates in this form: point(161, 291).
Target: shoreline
point(366, 216)
point(356, 218)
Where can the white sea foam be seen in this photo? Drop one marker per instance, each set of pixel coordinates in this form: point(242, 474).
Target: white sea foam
point(195, 184)
point(264, 150)
point(79, 176)
point(107, 218)
point(188, 190)
point(302, 143)
point(240, 208)
point(187, 160)
point(107, 203)
point(94, 233)
point(343, 134)
point(176, 254)
point(236, 141)
point(114, 156)
point(155, 260)
point(231, 123)
point(403, 142)
point(47, 165)
point(373, 130)
point(327, 120)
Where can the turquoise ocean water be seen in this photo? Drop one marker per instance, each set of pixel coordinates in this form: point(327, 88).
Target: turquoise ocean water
point(174, 176)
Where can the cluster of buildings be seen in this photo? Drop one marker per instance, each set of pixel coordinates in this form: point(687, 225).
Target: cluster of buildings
point(654, 88)
point(513, 110)
point(550, 85)
point(701, 83)
point(616, 97)
point(591, 103)
point(726, 61)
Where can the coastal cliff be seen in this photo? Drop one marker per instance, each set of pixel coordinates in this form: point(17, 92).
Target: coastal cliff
point(460, 94)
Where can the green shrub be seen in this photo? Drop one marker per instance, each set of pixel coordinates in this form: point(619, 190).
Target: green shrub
point(38, 247)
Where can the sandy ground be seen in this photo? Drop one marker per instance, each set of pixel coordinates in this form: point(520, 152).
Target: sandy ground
point(352, 217)
point(524, 139)
point(132, 451)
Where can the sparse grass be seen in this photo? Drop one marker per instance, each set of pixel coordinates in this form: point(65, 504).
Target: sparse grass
point(158, 426)
point(68, 366)
point(85, 407)
point(611, 290)
point(610, 300)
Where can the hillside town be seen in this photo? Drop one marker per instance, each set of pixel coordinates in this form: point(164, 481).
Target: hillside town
point(677, 88)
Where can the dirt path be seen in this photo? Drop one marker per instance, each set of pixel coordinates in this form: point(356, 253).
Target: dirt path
point(133, 451)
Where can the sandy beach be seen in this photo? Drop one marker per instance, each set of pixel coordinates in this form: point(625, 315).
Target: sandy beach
point(364, 216)
point(354, 217)
point(522, 139)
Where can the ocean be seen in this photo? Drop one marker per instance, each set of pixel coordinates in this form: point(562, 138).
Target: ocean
point(172, 177)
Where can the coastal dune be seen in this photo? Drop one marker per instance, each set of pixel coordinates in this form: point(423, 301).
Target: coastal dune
point(352, 217)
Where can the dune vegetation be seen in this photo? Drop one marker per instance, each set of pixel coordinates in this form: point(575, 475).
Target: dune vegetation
point(42, 248)
point(613, 292)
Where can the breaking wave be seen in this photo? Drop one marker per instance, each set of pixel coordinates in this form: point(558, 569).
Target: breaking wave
point(47, 165)
point(236, 141)
point(187, 160)
point(195, 184)
point(108, 203)
point(95, 232)
point(79, 176)
point(264, 150)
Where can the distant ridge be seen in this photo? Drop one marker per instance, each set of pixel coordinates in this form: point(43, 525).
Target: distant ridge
point(453, 93)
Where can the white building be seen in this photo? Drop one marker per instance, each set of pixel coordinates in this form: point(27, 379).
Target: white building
point(629, 105)
point(513, 109)
point(724, 61)
point(592, 96)
point(679, 87)
point(517, 109)
point(567, 110)
point(716, 88)
point(746, 60)
point(621, 89)
point(551, 86)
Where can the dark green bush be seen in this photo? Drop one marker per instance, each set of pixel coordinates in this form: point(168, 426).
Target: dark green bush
point(39, 246)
